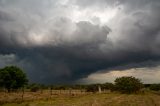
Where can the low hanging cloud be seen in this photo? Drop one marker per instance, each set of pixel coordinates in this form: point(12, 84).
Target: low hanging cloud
point(62, 41)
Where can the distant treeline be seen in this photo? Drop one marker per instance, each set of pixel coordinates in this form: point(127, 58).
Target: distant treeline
point(89, 87)
point(34, 87)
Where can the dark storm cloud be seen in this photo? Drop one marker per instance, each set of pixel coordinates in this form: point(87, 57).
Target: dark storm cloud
point(47, 40)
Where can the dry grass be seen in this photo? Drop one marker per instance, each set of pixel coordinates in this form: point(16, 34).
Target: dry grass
point(16, 97)
point(78, 98)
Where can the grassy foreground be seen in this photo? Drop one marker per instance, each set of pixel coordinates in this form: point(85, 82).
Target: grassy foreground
point(108, 99)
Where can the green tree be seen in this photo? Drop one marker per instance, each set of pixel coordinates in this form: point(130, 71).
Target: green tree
point(128, 84)
point(155, 87)
point(12, 77)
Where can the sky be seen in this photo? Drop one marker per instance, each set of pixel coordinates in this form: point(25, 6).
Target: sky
point(81, 41)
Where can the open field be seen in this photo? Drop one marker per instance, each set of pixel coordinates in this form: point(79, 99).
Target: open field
point(82, 99)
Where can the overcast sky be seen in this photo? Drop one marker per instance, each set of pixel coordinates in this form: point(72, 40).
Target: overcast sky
point(67, 41)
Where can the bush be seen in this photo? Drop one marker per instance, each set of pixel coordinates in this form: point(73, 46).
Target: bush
point(34, 87)
point(107, 86)
point(155, 87)
point(92, 88)
point(128, 84)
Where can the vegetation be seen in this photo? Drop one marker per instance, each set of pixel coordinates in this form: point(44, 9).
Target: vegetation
point(34, 87)
point(108, 86)
point(96, 99)
point(12, 78)
point(155, 87)
point(92, 88)
point(128, 84)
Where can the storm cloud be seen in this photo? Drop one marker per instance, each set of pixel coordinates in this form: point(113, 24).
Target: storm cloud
point(62, 41)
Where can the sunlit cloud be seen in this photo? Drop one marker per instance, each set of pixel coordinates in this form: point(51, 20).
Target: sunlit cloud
point(146, 75)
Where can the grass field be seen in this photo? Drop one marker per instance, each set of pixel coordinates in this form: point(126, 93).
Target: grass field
point(81, 99)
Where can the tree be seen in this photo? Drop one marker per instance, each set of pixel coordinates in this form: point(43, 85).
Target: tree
point(128, 84)
point(12, 77)
point(155, 87)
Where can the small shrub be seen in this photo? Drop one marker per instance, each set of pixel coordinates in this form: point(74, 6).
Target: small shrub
point(92, 88)
point(34, 87)
point(108, 86)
